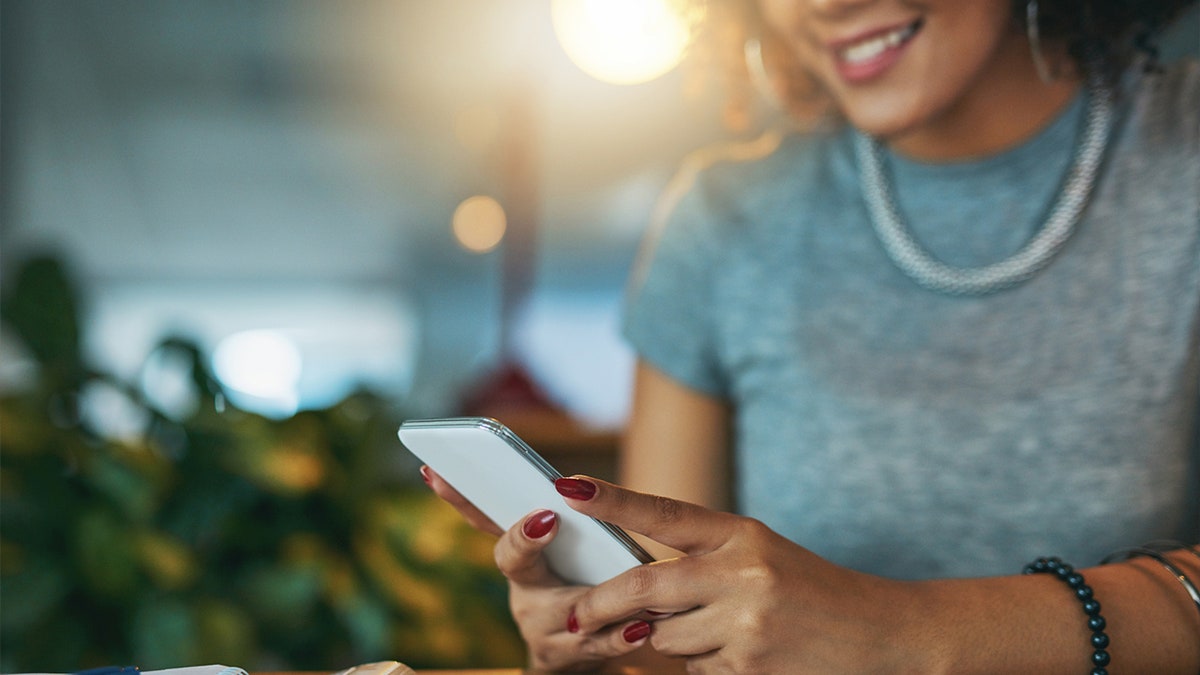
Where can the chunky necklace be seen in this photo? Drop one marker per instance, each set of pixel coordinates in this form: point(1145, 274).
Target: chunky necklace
point(904, 250)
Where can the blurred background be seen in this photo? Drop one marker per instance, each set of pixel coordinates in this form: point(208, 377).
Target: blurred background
point(294, 166)
point(241, 240)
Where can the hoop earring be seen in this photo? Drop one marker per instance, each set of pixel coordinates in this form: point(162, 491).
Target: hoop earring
point(1035, 43)
point(757, 68)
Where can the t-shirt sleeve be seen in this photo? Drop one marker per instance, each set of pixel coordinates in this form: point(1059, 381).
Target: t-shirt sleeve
point(670, 304)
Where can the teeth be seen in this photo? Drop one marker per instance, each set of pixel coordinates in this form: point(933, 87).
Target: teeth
point(869, 49)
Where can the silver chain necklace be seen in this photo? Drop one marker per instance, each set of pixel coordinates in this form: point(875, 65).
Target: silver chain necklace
point(904, 250)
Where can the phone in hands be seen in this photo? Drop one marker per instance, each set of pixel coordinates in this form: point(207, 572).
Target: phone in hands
point(505, 479)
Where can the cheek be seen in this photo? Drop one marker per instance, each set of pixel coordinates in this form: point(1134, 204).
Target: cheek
point(776, 13)
point(789, 25)
point(786, 19)
point(977, 31)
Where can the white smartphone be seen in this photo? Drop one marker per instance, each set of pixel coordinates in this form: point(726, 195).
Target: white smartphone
point(506, 480)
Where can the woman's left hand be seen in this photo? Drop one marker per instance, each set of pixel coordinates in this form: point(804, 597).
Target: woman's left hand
point(743, 598)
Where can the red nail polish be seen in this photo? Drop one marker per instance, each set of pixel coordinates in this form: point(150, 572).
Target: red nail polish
point(539, 524)
point(575, 488)
point(425, 475)
point(572, 623)
point(635, 631)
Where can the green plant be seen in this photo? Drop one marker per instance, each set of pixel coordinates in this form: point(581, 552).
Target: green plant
point(220, 536)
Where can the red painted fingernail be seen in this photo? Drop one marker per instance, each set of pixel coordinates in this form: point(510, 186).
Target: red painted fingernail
point(425, 475)
point(575, 488)
point(539, 524)
point(635, 631)
point(572, 623)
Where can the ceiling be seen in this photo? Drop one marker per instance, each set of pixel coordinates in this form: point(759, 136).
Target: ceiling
point(324, 139)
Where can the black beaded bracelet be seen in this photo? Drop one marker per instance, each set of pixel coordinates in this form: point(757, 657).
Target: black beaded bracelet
point(1067, 574)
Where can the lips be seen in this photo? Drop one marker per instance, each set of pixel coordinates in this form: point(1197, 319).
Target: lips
point(866, 57)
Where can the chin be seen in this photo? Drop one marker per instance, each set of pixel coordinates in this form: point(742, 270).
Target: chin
point(883, 126)
point(883, 114)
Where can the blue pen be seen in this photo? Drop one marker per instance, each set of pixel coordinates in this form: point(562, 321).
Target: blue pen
point(110, 670)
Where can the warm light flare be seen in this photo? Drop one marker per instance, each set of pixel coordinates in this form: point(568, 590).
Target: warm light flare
point(479, 223)
point(621, 41)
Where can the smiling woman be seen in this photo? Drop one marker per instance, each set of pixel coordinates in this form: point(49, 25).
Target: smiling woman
point(857, 460)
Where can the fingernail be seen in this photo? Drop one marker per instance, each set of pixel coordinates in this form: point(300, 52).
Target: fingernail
point(539, 524)
point(425, 475)
point(635, 631)
point(572, 623)
point(575, 488)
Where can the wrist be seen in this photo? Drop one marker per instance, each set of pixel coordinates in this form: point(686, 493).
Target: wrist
point(1034, 623)
point(923, 640)
point(989, 626)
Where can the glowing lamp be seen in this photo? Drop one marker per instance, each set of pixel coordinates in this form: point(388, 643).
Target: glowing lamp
point(621, 41)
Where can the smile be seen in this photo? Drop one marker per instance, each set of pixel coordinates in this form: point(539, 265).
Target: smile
point(867, 57)
point(873, 47)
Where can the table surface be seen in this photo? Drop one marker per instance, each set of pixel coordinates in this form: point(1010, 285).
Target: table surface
point(621, 670)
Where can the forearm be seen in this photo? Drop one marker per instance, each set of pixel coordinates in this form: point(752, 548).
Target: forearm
point(676, 442)
point(1034, 623)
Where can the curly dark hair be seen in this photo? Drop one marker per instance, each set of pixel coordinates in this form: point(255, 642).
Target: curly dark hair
point(1102, 37)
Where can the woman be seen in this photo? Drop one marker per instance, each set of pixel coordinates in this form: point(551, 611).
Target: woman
point(954, 334)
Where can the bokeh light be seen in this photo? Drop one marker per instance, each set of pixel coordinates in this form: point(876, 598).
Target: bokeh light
point(621, 41)
point(479, 223)
point(263, 364)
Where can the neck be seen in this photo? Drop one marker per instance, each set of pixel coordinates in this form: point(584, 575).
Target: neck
point(1012, 107)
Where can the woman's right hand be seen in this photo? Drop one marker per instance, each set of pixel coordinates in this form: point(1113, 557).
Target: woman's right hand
point(539, 600)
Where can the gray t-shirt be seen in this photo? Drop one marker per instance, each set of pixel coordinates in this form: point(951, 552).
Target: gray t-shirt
point(913, 434)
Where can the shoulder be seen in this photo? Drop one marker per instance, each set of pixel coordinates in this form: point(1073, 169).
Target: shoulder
point(1176, 84)
point(1166, 104)
point(1155, 153)
point(1152, 172)
point(724, 182)
point(723, 196)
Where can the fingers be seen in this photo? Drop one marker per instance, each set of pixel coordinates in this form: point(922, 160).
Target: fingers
point(472, 515)
point(554, 639)
point(682, 526)
point(615, 640)
point(541, 603)
point(572, 650)
point(684, 630)
point(539, 599)
point(686, 634)
point(676, 586)
point(519, 551)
